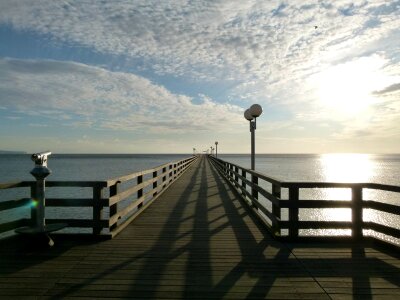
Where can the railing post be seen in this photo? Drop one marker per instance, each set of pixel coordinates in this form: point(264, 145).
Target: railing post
point(357, 212)
point(114, 208)
point(276, 210)
point(174, 170)
point(97, 209)
point(170, 173)
point(155, 183)
point(236, 176)
point(293, 212)
point(164, 178)
point(243, 183)
point(140, 191)
point(254, 191)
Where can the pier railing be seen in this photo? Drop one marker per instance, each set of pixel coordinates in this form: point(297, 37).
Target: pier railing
point(111, 204)
point(279, 205)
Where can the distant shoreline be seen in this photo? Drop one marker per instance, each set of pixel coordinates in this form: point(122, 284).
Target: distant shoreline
point(12, 152)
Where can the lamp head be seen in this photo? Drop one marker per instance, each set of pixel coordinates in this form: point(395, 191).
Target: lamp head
point(255, 110)
point(247, 115)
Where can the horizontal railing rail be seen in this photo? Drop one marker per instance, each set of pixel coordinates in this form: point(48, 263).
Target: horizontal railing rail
point(112, 208)
point(264, 195)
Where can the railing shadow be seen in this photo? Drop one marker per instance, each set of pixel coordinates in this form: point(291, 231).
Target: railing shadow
point(351, 261)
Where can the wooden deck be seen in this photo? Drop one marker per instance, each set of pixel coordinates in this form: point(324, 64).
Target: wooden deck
point(196, 241)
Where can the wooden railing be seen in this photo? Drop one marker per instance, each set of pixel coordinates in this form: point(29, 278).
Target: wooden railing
point(114, 203)
point(264, 195)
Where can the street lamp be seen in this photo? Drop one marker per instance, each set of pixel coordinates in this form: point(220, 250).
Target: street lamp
point(216, 149)
point(251, 115)
point(194, 151)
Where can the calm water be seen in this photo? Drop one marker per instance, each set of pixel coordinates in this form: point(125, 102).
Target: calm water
point(294, 167)
point(83, 166)
point(325, 167)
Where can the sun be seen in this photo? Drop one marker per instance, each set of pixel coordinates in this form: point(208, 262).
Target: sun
point(348, 88)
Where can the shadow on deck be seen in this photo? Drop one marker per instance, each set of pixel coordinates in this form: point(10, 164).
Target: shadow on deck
point(196, 241)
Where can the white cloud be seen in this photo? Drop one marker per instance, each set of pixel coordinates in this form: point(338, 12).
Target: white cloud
point(267, 40)
point(77, 94)
point(271, 49)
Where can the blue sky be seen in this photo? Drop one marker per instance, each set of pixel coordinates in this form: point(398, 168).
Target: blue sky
point(167, 76)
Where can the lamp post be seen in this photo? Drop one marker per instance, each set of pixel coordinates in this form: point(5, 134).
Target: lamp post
point(216, 149)
point(251, 114)
point(194, 151)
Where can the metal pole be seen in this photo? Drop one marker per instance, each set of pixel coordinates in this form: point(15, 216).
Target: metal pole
point(216, 150)
point(253, 143)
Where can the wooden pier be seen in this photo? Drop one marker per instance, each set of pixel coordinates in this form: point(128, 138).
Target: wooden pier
point(198, 240)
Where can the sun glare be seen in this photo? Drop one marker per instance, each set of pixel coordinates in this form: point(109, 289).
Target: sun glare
point(348, 88)
point(342, 167)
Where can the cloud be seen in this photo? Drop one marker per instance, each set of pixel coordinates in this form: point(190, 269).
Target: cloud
point(390, 89)
point(209, 40)
point(80, 95)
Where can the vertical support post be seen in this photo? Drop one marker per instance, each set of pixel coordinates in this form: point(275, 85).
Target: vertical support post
point(97, 209)
point(114, 208)
point(357, 212)
point(155, 183)
point(140, 191)
point(236, 176)
point(276, 210)
point(164, 178)
point(293, 212)
point(243, 182)
point(254, 192)
point(170, 172)
point(174, 170)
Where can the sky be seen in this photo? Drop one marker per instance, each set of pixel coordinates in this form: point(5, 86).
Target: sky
point(169, 76)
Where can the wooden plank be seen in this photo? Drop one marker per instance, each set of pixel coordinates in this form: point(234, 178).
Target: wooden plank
point(6, 205)
point(318, 224)
point(129, 192)
point(92, 184)
point(390, 231)
point(73, 202)
point(84, 223)
point(145, 172)
point(386, 207)
point(15, 184)
point(316, 204)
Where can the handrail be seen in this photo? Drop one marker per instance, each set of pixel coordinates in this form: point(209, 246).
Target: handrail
point(269, 205)
point(141, 189)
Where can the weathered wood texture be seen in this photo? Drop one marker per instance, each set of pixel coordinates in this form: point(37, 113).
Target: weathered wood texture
point(197, 241)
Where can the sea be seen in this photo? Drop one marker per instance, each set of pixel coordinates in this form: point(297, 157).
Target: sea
point(341, 167)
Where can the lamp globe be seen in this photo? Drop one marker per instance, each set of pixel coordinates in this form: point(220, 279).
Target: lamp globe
point(247, 115)
point(255, 110)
